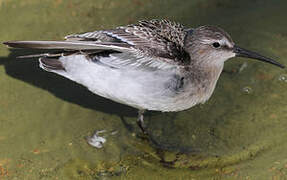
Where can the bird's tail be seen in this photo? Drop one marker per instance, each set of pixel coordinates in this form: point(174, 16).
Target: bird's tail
point(50, 61)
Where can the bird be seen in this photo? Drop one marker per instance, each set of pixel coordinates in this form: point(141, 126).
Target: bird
point(157, 65)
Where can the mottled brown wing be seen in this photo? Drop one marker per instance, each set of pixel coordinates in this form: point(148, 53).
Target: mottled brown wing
point(161, 39)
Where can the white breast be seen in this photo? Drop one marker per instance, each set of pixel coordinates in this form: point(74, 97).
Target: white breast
point(137, 88)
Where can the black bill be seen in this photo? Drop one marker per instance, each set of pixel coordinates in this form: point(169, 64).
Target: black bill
point(240, 52)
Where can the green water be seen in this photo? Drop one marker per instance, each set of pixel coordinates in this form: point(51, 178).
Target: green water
point(240, 133)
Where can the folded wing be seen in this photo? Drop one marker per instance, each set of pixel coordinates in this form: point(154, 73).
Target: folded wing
point(150, 44)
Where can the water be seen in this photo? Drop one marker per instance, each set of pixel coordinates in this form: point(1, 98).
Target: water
point(283, 78)
point(240, 133)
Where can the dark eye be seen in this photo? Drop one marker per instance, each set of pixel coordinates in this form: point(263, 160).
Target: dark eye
point(216, 44)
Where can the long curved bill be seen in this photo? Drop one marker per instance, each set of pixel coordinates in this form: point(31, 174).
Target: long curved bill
point(240, 52)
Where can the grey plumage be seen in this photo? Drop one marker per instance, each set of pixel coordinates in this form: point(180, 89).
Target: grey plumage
point(153, 65)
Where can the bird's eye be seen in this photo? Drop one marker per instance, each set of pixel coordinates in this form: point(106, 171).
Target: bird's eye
point(216, 44)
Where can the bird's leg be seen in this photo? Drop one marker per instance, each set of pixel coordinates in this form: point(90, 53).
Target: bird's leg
point(140, 120)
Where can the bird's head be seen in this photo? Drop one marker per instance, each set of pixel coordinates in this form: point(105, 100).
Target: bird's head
point(212, 45)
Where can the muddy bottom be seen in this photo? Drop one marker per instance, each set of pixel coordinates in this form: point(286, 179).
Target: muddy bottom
point(240, 133)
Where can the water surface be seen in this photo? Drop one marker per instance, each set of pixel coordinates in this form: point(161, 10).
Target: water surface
point(240, 133)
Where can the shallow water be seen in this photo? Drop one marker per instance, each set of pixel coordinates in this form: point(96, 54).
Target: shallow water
point(240, 133)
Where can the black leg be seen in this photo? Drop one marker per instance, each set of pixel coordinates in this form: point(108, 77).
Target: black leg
point(140, 121)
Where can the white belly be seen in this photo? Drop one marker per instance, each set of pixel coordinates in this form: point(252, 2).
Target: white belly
point(137, 88)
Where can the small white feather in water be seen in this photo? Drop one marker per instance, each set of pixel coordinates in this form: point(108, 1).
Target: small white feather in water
point(95, 140)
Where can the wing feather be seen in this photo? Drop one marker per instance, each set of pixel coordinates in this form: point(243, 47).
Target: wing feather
point(150, 44)
point(132, 61)
point(69, 45)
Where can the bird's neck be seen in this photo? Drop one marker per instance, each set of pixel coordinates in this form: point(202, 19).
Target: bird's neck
point(204, 72)
point(203, 79)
